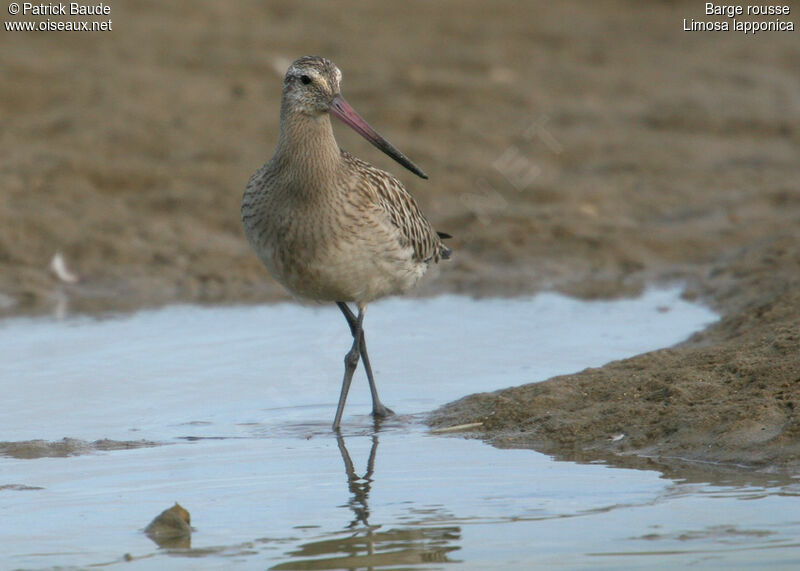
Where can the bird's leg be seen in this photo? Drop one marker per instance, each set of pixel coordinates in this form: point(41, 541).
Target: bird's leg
point(378, 410)
point(350, 364)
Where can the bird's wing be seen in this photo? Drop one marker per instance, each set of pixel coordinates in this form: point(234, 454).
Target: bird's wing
point(401, 209)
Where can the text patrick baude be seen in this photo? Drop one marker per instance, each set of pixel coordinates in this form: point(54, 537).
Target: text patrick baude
point(71, 9)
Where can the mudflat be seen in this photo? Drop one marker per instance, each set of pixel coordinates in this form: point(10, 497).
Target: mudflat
point(585, 147)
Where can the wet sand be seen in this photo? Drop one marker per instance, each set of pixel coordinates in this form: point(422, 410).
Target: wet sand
point(589, 148)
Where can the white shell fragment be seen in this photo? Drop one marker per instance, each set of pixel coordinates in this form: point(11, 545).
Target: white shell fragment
point(58, 265)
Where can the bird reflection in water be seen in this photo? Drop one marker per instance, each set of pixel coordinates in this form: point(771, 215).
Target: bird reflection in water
point(366, 546)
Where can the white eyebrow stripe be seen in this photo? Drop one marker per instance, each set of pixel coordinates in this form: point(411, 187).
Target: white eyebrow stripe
point(321, 78)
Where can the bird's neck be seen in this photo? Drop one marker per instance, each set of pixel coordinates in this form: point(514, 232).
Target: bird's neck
point(306, 145)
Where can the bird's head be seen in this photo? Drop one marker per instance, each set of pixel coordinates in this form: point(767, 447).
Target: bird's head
point(312, 87)
point(311, 84)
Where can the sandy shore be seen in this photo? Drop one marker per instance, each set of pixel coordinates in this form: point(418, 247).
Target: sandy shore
point(589, 148)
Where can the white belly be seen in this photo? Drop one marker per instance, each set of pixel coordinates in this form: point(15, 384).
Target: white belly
point(344, 271)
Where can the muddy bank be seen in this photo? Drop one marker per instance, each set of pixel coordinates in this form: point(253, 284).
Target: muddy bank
point(729, 395)
point(589, 158)
point(589, 148)
point(28, 449)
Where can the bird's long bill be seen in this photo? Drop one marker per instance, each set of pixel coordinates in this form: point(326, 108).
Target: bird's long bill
point(342, 110)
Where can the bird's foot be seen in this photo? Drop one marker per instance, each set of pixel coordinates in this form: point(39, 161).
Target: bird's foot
point(381, 411)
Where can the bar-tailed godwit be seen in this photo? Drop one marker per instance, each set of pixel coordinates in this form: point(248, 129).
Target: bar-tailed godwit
point(328, 226)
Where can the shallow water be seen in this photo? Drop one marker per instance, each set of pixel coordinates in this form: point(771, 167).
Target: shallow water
point(236, 404)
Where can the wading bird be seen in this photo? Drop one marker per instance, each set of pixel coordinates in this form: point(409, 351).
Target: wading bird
point(328, 226)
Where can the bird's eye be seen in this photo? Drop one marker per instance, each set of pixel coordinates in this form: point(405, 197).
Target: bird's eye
point(305, 79)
